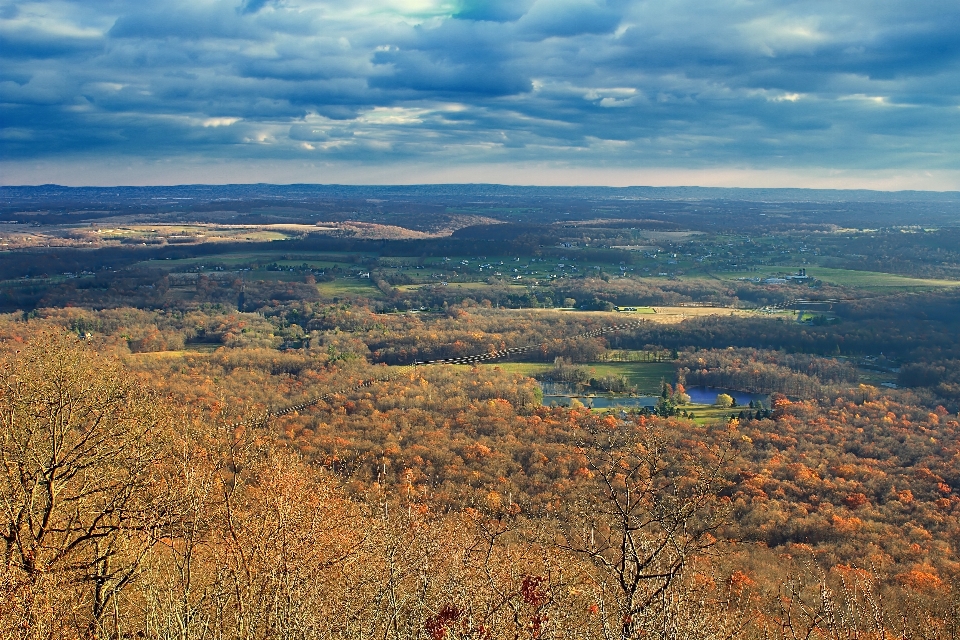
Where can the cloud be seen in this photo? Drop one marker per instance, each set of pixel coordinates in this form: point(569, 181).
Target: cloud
point(184, 21)
point(493, 10)
point(684, 84)
point(253, 6)
point(423, 72)
point(564, 18)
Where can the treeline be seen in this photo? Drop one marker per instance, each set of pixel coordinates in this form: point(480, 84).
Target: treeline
point(637, 292)
point(796, 375)
point(919, 252)
point(939, 378)
point(919, 334)
point(581, 376)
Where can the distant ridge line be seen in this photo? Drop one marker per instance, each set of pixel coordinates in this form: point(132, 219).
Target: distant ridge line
point(268, 190)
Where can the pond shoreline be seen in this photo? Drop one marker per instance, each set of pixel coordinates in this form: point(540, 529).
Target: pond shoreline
point(563, 394)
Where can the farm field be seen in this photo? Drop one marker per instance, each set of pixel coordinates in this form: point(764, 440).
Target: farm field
point(350, 286)
point(647, 376)
point(664, 315)
point(708, 413)
point(672, 315)
point(127, 230)
point(868, 280)
point(200, 233)
point(197, 349)
point(876, 378)
point(876, 280)
point(639, 311)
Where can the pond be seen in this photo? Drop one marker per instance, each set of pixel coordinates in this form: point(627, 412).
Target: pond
point(561, 393)
point(708, 395)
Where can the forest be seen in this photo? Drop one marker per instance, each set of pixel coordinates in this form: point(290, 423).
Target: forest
point(409, 414)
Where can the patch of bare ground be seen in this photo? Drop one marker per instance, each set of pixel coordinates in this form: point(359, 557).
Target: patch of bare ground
point(375, 231)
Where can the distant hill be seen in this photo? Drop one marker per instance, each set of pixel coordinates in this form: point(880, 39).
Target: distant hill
point(50, 195)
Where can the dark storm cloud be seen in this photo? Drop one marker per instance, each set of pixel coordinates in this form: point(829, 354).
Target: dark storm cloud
point(681, 83)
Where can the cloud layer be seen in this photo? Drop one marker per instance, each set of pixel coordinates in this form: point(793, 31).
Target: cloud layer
point(698, 85)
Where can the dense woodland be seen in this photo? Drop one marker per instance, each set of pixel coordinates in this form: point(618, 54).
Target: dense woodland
point(154, 485)
point(446, 507)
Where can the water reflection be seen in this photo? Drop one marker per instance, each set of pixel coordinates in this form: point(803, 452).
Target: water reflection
point(562, 393)
point(708, 395)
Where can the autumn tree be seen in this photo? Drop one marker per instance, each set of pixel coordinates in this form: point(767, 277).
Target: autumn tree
point(76, 457)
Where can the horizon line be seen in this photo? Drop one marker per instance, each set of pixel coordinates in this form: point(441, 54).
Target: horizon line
point(467, 184)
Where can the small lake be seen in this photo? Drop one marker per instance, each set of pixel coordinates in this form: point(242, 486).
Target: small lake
point(561, 393)
point(708, 395)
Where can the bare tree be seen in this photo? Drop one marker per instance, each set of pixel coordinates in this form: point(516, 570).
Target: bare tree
point(178, 581)
point(855, 604)
point(76, 455)
point(284, 544)
point(650, 509)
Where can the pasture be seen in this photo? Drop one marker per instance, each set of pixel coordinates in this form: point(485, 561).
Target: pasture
point(868, 280)
point(350, 287)
point(646, 376)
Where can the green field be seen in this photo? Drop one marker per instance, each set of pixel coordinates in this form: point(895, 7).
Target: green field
point(706, 413)
point(525, 368)
point(646, 376)
point(849, 278)
point(350, 286)
point(875, 378)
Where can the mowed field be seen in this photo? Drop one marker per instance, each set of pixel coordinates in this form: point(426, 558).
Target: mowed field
point(663, 315)
point(350, 286)
point(876, 280)
point(871, 280)
point(708, 413)
point(669, 315)
point(646, 376)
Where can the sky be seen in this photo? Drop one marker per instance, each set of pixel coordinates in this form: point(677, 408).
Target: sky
point(753, 93)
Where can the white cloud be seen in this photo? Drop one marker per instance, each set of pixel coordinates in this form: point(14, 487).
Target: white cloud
point(781, 34)
point(219, 122)
point(393, 116)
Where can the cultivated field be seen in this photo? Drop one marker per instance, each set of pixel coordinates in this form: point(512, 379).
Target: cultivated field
point(869, 280)
point(646, 376)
